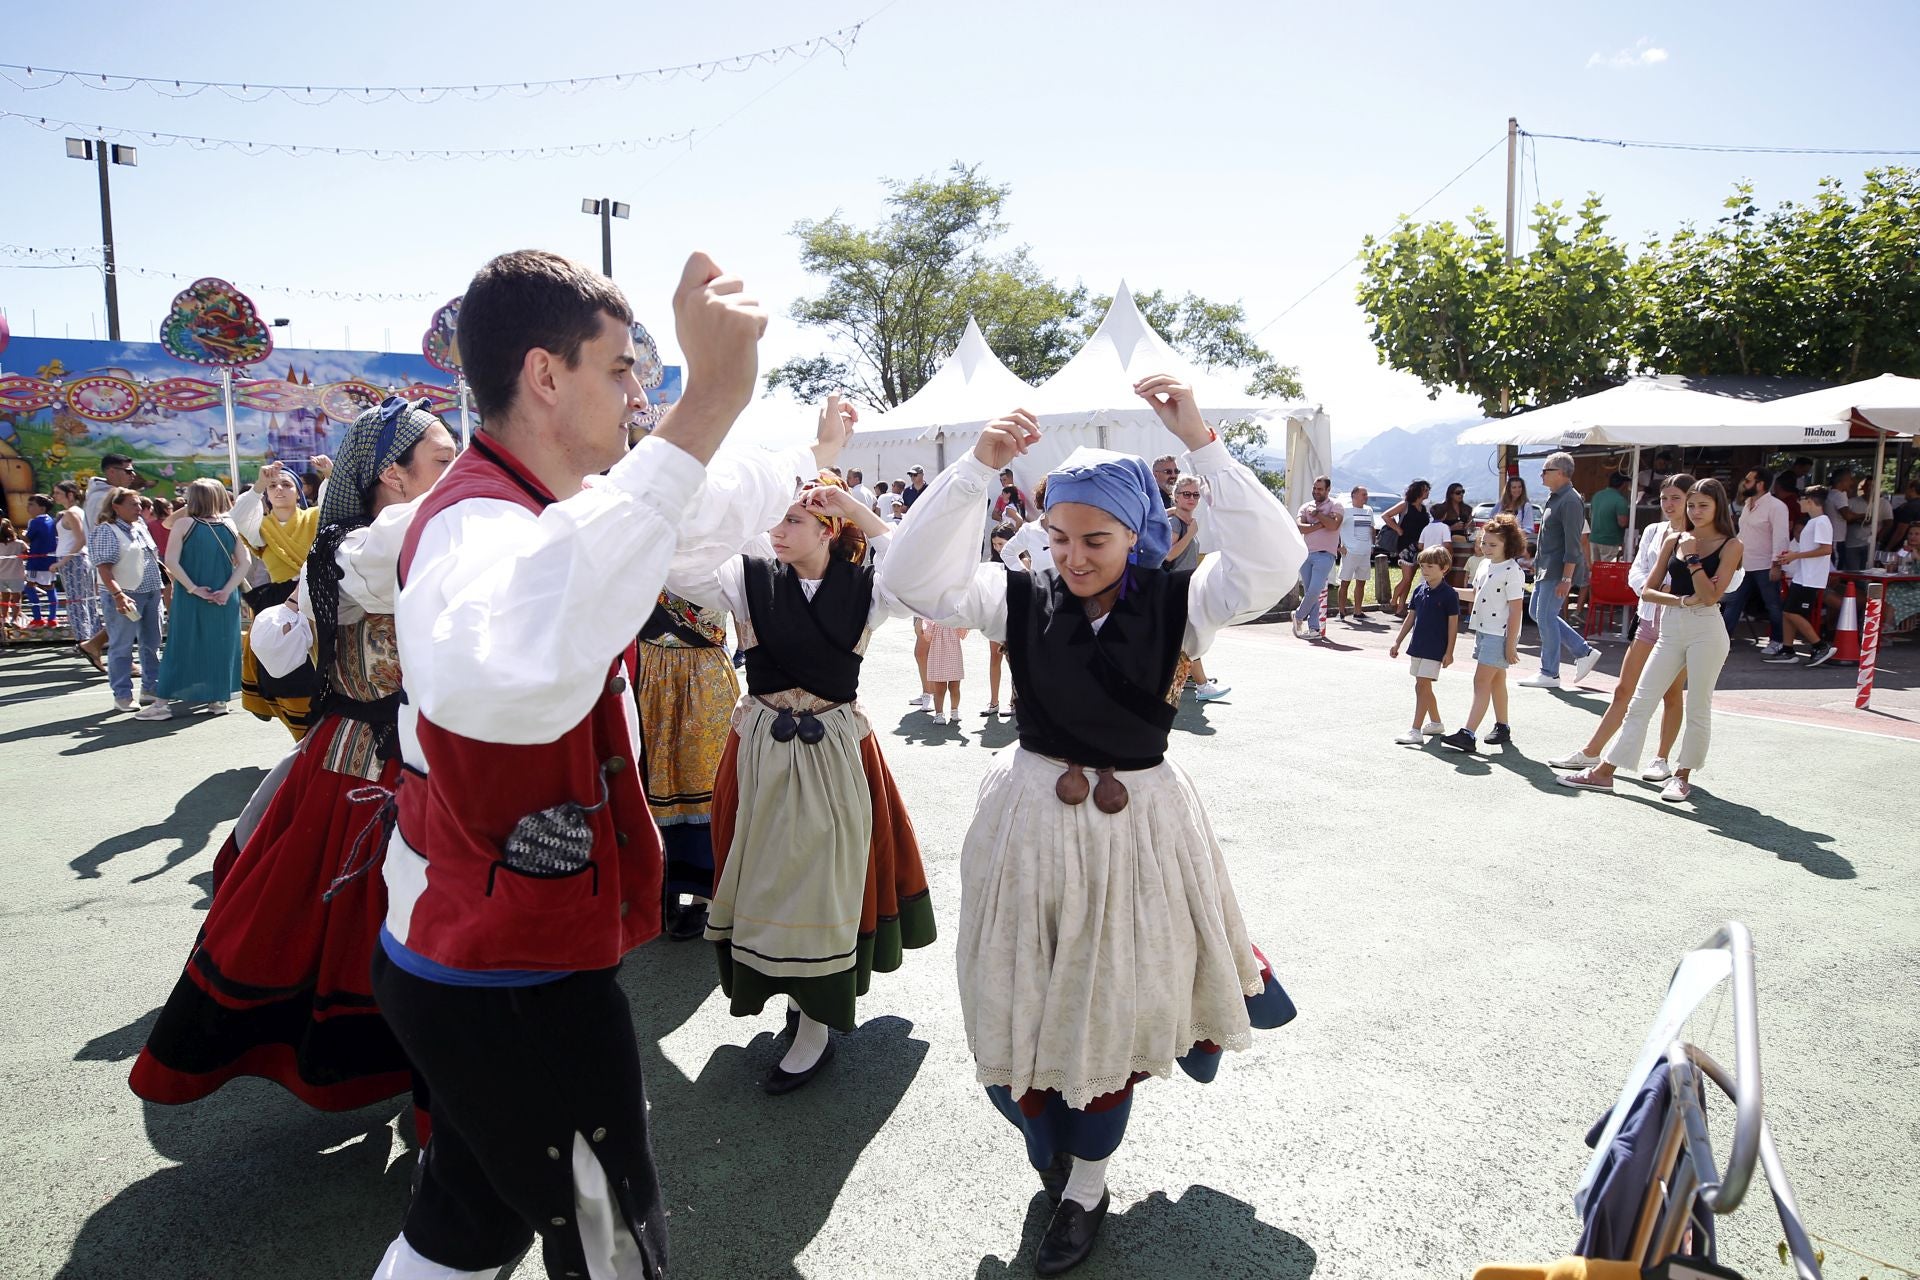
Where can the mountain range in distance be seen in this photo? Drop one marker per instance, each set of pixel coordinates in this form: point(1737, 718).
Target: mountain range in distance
point(1396, 457)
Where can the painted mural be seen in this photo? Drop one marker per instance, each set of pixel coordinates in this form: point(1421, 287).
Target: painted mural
point(64, 403)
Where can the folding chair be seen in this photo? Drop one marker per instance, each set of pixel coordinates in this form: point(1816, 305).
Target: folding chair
point(1680, 1189)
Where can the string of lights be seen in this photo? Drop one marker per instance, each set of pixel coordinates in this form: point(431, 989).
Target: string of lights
point(840, 41)
point(27, 257)
point(308, 150)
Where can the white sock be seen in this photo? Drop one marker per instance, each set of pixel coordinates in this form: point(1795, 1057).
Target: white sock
point(809, 1042)
point(1087, 1183)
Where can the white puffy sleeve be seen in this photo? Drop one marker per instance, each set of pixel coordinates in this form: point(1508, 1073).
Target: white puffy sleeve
point(1260, 549)
point(510, 619)
point(745, 494)
point(933, 569)
point(248, 510)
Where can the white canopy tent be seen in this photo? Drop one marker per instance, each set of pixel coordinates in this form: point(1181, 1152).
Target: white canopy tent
point(1090, 401)
point(1638, 413)
point(1882, 406)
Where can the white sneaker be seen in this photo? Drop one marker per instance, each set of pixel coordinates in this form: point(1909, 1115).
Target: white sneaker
point(123, 704)
point(1574, 760)
point(1411, 738)
point(924, 701)
point(1658, 771)
point(158, 711)
point(1583, 667)
point(1433, 729)
point(1540, 682)
point(214, 708)
point(1676, 790)
point(1212, 689)
point(1773, 649)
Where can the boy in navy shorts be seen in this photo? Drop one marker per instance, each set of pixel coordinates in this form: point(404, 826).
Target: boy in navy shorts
point(1434, 618)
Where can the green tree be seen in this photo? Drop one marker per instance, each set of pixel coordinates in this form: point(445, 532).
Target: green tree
point(897, 297)
point(1445, 306)
point(1829, 289)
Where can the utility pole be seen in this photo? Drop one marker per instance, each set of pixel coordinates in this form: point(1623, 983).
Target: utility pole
point(608, 211)
point(1513, 153)
point(101, 152)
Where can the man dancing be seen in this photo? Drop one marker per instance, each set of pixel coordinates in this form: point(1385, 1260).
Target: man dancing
point(524, 862)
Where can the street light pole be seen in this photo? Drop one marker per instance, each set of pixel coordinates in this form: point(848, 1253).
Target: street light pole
point(101, 152)
point(608, 211)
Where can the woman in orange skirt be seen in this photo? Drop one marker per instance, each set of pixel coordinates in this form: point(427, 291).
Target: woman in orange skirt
point(818, 878)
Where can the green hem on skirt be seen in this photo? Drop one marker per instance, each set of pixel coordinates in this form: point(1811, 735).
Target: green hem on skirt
point(830, 998)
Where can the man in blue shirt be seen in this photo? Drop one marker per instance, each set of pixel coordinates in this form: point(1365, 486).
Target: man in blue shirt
point(1554, 566)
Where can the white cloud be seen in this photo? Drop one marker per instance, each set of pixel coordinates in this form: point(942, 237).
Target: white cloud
point(1643, 53)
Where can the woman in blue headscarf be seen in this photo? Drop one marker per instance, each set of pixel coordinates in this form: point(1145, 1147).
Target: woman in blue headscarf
point(278, 984)
point(1100, 941)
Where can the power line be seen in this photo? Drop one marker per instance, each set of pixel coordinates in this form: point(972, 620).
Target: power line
point(307, 150)
point(1331, 275)
point(1727, 147)
point(841, 41)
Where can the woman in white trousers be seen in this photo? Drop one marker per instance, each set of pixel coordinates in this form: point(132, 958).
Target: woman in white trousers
point(1695, 565)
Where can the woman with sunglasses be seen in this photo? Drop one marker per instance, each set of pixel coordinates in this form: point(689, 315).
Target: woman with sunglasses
point(1100, 939)
point(1673, 503)
point(817, 876)
point(1408, 519)
point(1456, 513)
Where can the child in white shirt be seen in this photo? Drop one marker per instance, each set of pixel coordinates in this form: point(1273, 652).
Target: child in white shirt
point(1498, 595)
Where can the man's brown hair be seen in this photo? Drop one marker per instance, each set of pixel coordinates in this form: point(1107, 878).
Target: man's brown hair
point(523, 300)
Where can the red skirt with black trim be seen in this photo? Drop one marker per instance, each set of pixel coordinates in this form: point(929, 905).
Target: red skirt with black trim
point(278, 984)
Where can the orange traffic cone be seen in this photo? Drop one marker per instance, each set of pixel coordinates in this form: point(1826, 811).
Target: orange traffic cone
point(1846, 632)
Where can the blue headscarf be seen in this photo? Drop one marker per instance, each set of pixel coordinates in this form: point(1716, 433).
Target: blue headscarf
point(1122, 486)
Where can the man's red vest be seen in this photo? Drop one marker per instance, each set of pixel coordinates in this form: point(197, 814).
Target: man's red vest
point(476, 912)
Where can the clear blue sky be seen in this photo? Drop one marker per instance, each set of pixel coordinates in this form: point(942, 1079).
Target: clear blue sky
point(1237, 149)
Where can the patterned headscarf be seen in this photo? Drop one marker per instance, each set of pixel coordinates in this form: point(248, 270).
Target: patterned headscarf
point(375, 442)
point(1122, 486)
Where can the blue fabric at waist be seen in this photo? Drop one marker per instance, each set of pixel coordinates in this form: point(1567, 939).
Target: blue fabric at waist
point(433, 971)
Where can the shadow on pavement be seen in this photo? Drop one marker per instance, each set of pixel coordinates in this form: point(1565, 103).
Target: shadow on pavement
point(750, 1180)
point(262, 1186)
point(1203, 1235)
point(205, 806)
point(1192, 717)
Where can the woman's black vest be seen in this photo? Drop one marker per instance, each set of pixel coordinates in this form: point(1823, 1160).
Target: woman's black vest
point(801, 643)
point(1096, 698)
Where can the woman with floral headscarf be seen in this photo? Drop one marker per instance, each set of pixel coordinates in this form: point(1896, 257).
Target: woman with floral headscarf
point(278, 982)
point(818, 879)
point(1100, 943)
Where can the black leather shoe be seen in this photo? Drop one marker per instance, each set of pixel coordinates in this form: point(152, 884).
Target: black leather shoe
point(1070, 1236)
point(779, 1082)
point(1054, 1177)
point(688, 922)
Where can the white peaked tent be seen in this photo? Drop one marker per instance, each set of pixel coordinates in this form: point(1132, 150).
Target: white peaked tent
point(971, 384)
point(1088, 402)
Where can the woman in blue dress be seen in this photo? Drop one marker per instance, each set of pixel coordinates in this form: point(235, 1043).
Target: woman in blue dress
point(207, 560)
